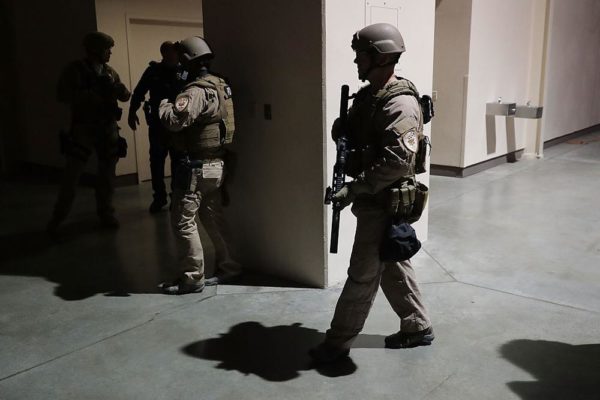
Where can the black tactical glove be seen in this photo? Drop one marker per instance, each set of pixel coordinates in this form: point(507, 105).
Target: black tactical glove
point(347, 194)
point(335, 129)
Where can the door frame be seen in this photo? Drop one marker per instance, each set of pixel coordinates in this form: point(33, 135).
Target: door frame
point(138, 19)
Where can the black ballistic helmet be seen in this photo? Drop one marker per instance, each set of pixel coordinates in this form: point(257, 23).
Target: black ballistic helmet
point(97, 41)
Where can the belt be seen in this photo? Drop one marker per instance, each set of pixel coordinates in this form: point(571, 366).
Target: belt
point(197, 163)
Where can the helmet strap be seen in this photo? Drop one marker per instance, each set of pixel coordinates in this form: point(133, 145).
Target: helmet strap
point(373, 65)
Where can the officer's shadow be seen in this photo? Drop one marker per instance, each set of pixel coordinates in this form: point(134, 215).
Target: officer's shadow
point(559, 370)
point(276, 353)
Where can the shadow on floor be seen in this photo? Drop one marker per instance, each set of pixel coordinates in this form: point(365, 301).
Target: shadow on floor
point(258, 279)
point(87, 260)
point(275, 353)
point(563, 371)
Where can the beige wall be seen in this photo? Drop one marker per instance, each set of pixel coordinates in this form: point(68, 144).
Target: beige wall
point(113, 18)
point(415, 19)
point(572, 88)
point(499, 65)
point(508, 57)
point(450, 77)
point(47, 35)
point(272, 53)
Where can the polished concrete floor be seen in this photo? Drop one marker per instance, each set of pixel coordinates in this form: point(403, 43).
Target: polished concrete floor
point(511, 275)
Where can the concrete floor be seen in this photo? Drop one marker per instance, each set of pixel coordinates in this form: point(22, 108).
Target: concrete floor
point(511, 276)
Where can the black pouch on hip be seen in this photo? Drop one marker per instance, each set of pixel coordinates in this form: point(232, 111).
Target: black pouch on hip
point(399, 242)
point(121, 147)
point(421, 157)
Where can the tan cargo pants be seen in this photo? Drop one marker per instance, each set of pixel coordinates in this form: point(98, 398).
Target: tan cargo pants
point(88, 138)
point(202, 197)
point(365, 274)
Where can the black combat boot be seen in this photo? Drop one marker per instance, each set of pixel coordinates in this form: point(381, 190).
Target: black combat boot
point(180, 287)
point(157, 205)
point(403, 340)
point(325, 353)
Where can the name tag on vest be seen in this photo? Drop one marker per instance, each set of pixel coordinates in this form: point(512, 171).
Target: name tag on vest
point(212, 170)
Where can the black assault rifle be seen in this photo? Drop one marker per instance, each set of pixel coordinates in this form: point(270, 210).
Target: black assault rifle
point(339, 173)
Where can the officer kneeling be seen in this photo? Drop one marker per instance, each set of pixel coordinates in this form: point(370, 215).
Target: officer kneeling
point(201, 123)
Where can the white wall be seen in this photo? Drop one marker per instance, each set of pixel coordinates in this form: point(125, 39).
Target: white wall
point(572, 87)
point(271, 51)
point(342, 18)
point(113, 18)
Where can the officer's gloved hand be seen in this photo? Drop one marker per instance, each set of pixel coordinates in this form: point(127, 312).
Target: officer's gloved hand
point(349, 191)
point(336, 131)
point(345, 196)
point(133, 121)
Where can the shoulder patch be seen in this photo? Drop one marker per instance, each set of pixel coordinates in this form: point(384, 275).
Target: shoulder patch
point(410, 141)
point(181, 103)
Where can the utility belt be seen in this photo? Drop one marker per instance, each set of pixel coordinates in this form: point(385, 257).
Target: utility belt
point(189, 171)
point(407, 199)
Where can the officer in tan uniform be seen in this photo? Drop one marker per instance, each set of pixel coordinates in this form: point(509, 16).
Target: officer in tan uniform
point(385, 123)
point(91, 88)
point(201, 122)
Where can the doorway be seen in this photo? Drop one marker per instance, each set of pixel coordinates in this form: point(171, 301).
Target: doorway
point(144, 37)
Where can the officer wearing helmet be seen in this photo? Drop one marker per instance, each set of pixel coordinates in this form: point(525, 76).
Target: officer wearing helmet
point(201, 123)
point(92, 89)
point(385, 124)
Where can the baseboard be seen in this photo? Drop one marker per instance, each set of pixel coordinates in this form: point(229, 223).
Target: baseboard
point(458, 172)
point(38, 173)
point(569, 136)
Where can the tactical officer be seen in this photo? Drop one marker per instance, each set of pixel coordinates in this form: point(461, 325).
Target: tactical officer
point(163, 80)
point(385, 123)
point(201, 123)
point(91, 88)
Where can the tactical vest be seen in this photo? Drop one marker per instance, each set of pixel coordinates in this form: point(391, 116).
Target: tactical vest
point(367, 125)
point(205, 138)
point(84, 111)
point(407, 198)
